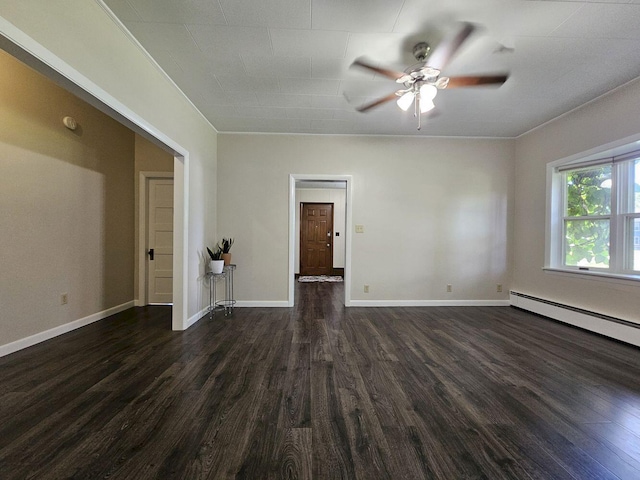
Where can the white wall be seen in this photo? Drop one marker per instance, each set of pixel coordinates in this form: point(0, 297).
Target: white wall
point(337, 196)
point(81, 40)
point(435, 212)
point(610, 118)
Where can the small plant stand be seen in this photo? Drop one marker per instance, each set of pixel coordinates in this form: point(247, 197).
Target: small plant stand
point(227, 303)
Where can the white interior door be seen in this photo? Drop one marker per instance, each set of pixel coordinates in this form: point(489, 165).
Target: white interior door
point(160, 241)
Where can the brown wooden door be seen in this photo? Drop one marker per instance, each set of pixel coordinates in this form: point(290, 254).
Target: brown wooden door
point(316, 239)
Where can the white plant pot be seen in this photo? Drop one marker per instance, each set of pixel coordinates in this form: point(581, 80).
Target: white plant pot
point(216, 266)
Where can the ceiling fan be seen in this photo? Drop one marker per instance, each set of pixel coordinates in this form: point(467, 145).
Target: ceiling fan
point(423, 80)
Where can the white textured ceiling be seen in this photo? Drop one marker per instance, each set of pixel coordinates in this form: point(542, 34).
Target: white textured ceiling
point(283, 65)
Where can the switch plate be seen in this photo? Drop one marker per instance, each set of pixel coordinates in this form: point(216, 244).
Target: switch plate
point(449, 288)
point(359, 228)
point(366, 289)
point(64, 298)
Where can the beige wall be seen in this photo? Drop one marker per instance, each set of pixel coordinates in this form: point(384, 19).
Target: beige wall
point(148, 158)
point(337, 196)
point(606, 120)
point(66, 216)
point(84, 42)
point(435, 212)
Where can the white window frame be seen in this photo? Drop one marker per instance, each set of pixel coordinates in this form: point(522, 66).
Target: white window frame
point(621, 246)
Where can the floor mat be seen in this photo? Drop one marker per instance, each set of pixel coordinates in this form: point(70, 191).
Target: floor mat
point(319, 278)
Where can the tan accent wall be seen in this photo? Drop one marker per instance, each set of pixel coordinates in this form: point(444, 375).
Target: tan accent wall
point(66, 209)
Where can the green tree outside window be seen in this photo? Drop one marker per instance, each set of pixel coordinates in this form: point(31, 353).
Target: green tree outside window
point(588, 194)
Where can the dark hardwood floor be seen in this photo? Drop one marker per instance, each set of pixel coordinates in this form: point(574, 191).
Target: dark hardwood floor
point(320, 391)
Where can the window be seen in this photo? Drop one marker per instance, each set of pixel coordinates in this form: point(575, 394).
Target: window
point(595, 216)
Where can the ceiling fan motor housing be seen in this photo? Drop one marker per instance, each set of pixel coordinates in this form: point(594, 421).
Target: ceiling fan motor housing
point(421, 50)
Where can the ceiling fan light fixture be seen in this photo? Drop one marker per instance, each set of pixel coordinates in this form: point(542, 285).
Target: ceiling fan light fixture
point(405, 101)
point(428, 92)
point(430, 72)
point(442, 82)
point(426, 105)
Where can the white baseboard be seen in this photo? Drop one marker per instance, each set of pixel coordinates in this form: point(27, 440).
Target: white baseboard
point(430, 303)
point(61, 329)
point(198, 316)
point(594, 322)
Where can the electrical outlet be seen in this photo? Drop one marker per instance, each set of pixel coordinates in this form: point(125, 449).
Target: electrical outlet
point(64, 298)
point(449, 288)
point(366, 289)
point(359, 228)
point(499, 288)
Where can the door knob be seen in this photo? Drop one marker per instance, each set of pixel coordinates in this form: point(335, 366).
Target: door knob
point(150, 254)
point(328, 245)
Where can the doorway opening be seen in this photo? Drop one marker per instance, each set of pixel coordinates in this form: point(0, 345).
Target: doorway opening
point(155, 238)
point(317, 245)
point(28, 51)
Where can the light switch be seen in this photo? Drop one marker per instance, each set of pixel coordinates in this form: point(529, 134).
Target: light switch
point(359, 228)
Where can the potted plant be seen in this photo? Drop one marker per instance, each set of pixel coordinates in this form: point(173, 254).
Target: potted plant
point(226, 247)
point(216, 265)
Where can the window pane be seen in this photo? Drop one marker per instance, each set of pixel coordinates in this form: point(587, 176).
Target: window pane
point(589, 191)
point(587, 243)
point(636, 186)
point(636, 244)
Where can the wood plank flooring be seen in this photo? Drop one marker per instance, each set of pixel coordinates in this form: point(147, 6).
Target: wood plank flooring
point(319, 391)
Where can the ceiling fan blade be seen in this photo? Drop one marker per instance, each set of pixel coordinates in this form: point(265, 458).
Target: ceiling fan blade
point(392, 74)
point(448, 47)
point(380, 101)
point(472, 81)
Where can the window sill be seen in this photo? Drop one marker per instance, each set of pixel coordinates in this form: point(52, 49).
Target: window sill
point(593, 275)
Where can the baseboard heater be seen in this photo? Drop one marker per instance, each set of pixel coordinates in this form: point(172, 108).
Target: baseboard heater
point(623, 330)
